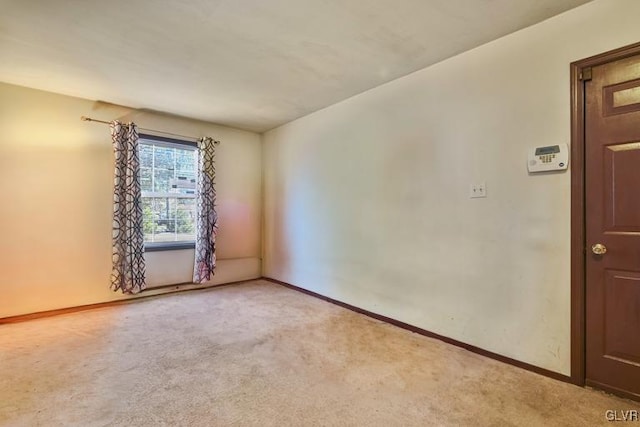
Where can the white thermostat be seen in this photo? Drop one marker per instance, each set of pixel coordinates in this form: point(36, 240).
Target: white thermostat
point(549, 158)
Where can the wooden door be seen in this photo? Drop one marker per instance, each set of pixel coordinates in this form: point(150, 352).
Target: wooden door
point(612, 182)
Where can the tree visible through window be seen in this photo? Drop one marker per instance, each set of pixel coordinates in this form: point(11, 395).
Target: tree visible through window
point(168, 180)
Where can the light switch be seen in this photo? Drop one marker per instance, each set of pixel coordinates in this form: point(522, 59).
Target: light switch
point(478, 190)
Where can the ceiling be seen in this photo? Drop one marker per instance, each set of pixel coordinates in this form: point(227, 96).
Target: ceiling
point(249, 64)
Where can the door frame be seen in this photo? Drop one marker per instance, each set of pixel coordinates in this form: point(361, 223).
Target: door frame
point(580, 69)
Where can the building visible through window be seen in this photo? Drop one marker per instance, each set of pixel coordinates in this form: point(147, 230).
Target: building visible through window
point(168, 179)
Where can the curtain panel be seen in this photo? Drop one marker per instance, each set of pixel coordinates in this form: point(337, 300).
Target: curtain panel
point(207, 218)
point(128, 271)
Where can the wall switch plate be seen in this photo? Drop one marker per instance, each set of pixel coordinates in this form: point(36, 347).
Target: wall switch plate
point(478, 190)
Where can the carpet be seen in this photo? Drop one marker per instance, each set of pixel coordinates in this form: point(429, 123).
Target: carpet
point(259, 354)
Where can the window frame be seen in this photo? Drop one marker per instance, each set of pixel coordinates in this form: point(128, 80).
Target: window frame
point(167, 246)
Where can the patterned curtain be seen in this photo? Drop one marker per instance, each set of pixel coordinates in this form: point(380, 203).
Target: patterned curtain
point(128, 269)
point(207, 219)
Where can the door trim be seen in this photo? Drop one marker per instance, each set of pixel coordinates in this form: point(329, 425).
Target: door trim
point(578, 216)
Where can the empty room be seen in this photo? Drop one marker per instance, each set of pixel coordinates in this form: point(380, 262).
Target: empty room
point(319, 213)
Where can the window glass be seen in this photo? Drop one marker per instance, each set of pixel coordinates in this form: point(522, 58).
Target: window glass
point(168, 180)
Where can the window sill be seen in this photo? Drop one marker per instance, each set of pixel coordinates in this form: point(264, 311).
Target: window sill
point(168, 246)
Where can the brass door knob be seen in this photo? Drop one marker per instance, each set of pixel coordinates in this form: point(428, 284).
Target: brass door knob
point(599, 249)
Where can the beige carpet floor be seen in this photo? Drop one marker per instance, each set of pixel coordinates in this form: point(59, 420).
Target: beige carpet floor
point(258, 354)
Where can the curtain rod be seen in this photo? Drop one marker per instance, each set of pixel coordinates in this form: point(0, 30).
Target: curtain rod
point(89, 119)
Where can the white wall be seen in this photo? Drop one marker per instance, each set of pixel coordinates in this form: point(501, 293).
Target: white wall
point(56, 180)
point(367, 201)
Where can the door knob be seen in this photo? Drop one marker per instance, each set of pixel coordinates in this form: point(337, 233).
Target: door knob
point(599, 249)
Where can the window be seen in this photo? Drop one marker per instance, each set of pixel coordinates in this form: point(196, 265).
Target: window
point(168, 181)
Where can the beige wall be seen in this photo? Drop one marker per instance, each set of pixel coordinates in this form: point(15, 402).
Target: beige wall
point(56, 182)
point(367, 201)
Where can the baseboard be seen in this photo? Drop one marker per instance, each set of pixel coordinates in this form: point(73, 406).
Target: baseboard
point(417, 330)
point(148, 293)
